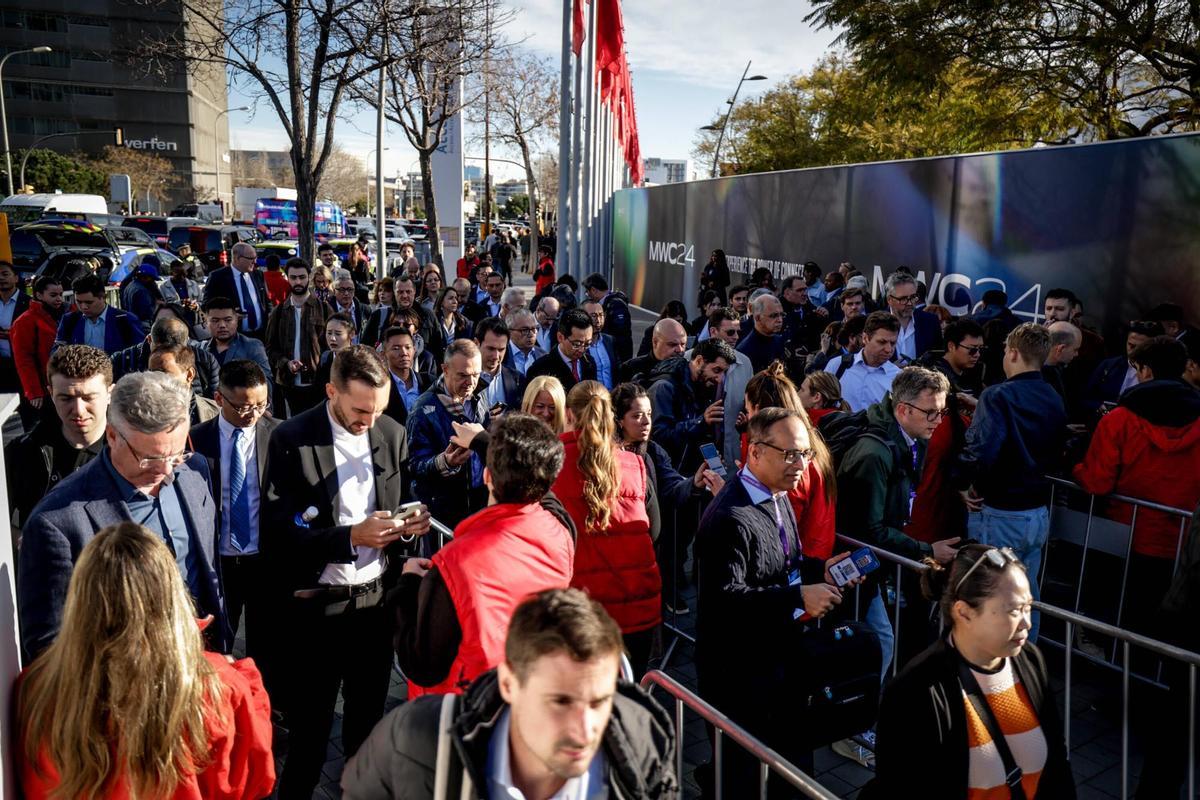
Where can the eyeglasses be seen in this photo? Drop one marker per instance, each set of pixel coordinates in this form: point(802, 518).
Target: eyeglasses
point(245, 411)
point(145, 462)
point(525, 331)
point(973, 350)
point(344, 289)
point(931, 414)
point(998, 557)
point(776, 315)
point(908, 299)
point(790, 456)
point(578, 344)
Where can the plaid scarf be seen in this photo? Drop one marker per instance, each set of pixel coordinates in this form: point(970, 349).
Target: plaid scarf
point(453, 407)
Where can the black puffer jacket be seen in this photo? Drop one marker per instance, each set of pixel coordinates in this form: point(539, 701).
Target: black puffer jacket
point(399, 759)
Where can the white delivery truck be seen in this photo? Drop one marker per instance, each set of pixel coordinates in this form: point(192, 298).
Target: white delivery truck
point(22, 208)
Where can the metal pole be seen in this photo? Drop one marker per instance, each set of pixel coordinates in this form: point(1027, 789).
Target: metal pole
point(725, 124)
point(4, 113)
point(1191, 730)
point(1067, 674)
point(561, 251)
point(679, 732)
point(719, 739)
point(217, 156)
point(1125, 721)
point(380, 203)
point(587, 220)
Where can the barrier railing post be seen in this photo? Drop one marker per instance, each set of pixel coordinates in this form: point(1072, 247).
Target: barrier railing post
point(1067, 677)
point(1179, 545)
point(1041, 579)
point(896, 631)
point(1087, 537)
point(1191, 769)
point(764, 772)
point(717, 743)
point(679, 740)
point(1125, 721)
point(1125, 571)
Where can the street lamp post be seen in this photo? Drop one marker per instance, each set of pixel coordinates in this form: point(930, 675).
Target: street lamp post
point(117, 135)
point(728, 115)
point(4, 116)
point(217, 154)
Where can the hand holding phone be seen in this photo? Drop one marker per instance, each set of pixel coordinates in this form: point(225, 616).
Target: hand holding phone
point(708, 451)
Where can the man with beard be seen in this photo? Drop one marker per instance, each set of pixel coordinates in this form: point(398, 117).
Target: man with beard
point(295, 341)
point(80, 380)
point(31, 338)
point(764, 343)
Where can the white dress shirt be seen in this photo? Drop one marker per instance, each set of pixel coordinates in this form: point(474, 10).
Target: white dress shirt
point(249, 295)
point(355, 502)
point(592, 783)
point(906, 342)
point(249, 449)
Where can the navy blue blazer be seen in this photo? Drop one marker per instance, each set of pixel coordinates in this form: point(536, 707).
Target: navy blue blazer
point(1105, 384)
point(927, 332)
point(220, 284)
point(75, 511)
point(121, 329)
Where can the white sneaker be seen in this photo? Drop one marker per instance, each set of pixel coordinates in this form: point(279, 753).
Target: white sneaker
point(852, 750)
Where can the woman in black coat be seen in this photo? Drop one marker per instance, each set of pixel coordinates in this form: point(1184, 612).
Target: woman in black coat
point(715, 276)
point(923, 740)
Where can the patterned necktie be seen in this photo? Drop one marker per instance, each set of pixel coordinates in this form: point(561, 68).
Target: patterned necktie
point(575, 369)
point(239, 498)
point(247, 292)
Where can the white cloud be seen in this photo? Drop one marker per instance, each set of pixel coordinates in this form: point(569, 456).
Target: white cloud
point(703, 42)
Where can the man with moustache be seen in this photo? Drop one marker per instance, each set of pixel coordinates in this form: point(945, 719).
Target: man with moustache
point(295, 341)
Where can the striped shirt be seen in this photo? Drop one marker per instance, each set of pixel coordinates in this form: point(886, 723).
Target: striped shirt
point(1018, 720)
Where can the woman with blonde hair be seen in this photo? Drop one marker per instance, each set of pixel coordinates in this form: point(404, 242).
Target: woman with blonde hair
point(821, 394)
point(322, 279)
point(544, 398)
point(604, 490)
point(126, 703)
point(815, 498)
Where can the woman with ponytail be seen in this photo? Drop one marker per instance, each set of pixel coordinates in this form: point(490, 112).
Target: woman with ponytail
point(934, 737)
point(604, 489)
point(815, 498)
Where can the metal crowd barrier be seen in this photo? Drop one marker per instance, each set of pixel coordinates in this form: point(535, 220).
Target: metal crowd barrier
point(1072, 619)
point(769, 760)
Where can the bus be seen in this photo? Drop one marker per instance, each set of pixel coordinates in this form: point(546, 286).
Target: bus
point(278, 219)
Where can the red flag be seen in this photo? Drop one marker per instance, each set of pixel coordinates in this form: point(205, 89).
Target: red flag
point(610, 45)
point(577, 27)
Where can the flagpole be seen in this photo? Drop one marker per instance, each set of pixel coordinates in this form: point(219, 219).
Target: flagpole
point(589, 127)
point(562, 255)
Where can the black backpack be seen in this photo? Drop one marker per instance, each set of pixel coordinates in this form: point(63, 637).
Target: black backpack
point(846, 363)
point(841, 430)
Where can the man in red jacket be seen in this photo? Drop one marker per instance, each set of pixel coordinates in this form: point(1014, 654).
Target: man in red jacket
point(32, 336)
point(1149, 447)
point(452, 611)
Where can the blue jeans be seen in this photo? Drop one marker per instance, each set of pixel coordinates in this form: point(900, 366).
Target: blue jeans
point(877, 620)
point(1024, 531)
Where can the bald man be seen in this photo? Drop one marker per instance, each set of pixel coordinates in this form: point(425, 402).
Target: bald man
point(669, 339)
point(243, 283)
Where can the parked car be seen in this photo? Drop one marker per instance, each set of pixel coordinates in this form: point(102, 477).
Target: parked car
point(211, 243)
point(160, 227)
point(129, 237)
point(44, 247)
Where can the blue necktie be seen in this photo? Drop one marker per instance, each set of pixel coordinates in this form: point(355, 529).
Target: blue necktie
point(245, 291)
point(239, 498)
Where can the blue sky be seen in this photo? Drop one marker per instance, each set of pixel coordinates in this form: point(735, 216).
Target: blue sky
point(686, 58)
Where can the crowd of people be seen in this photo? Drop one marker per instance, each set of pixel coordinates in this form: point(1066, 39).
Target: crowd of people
point(271, 465)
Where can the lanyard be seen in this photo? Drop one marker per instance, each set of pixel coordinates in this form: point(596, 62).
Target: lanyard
point(784, 539)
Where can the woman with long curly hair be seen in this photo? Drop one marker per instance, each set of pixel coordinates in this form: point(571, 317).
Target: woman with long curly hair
point(815, 498)
point(126, 703)
point(604, 490)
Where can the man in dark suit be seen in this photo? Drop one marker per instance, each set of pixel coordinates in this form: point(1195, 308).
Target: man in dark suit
point(802, 325)
point(603, 349)
point(753, 580)
point(244, 283)
point(143, 475)
point(1114, 375)
point(920, 331)
point(335, 477)
point(568, 361)
point(345, 302)
point(226, 344)
point(504, 385)
point(618, 322)
point(96, 323)
point(400, 351)
point(235, 445)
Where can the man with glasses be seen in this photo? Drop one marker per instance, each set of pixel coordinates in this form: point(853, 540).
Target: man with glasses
point(344, 301)
point(243, 282)
point(145, 476)
point(523, 348)
point(1015, 440)
point(603, 349)
point(235, 446)
point(920, 331)
point(747, 604)
point(547, 319)
point(959, 362)
point(569, 361)
point(764, 343)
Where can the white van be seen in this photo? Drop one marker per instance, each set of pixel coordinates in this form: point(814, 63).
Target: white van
point(22, 208)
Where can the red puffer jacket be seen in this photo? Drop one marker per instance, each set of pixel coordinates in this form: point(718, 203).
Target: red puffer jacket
point(616, 566)
point(1148, 447)
point(32, 336)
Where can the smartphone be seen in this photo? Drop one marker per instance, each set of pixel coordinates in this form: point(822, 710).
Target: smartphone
point(406, 511)
point(859, 563)
point(708, 452)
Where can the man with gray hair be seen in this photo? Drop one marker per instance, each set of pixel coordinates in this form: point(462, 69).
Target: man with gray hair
point(344, 301)
point(145, 475)
point(1065, 341)
point(512, 299)
point(523, 348)
point(242, 281)
point(765, 342)
point(920, 331)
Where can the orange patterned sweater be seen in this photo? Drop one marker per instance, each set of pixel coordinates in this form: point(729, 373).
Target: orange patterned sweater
point(1018, 720)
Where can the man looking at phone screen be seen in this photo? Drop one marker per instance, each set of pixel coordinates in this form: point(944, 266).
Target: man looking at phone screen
point(446, 477)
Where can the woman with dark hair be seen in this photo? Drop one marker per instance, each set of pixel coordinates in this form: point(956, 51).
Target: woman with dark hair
point(383, 313)
point(448, 323)
point(710, 301)
point(715, 276)
point(126, 702)
point(975, 710)
point(815, 498)
point(604, 489)
point(762, 278)
point(431, 284)
point(674, 309)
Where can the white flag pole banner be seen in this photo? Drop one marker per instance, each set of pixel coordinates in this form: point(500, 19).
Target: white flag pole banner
point(446, 164)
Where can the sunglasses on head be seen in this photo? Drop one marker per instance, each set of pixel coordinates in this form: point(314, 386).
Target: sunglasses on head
point(998, 557)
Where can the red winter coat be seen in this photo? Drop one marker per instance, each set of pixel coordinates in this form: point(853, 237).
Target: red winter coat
point(240, 764)
point(32, 336)
point(938, 512)
point(1148, 447)
point(498, 557)
point(616, 566)
point(816, 521)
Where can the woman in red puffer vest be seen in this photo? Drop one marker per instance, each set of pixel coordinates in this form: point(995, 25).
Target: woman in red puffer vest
point(604, 491)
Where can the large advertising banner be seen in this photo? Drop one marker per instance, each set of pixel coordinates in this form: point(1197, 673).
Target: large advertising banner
point(1118, 223)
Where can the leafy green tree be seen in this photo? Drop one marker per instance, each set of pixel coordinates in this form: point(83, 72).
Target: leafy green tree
point(1124, 67)
point(48, 171)
point(516, 206)
point(837, 113)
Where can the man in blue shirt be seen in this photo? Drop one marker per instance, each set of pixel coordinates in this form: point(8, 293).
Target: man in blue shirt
point(96, 323)
point(603, 348)
point(400, 352)
point(867, 378)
